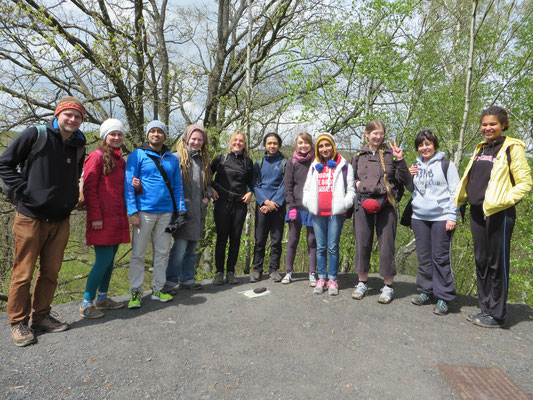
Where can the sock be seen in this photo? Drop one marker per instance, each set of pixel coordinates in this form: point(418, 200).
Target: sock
point(101, 296)
point(86, 303)
point(363, 282)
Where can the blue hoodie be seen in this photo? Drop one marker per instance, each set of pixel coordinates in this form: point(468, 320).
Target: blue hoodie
point(155, 197)
point(268, 184)
point(433, 193)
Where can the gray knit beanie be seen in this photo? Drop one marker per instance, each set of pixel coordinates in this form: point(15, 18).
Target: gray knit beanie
point(156, 124)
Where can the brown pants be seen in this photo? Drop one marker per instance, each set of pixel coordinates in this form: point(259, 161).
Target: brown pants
point(35, 238)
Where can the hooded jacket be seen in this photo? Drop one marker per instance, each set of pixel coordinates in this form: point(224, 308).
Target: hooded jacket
point(51, 190)
point(501, 193)
point(432, 191)
point(155, 197)
point(343, 193)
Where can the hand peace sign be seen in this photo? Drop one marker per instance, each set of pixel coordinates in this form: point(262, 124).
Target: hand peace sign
point(396, 151)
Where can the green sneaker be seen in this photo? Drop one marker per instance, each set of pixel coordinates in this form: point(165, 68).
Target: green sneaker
point(135, 300)
point(162, 297)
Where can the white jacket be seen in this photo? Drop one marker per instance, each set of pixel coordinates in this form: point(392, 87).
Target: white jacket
point(342, 199)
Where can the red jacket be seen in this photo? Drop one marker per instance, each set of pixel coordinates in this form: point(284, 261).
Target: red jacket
point(104, 200)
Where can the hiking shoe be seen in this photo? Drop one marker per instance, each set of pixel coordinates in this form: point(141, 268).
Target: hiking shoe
point(287, 278)
point(230, 278)
point(421, 299)
point(49, 324)
point(333, 287)
point(472, 317)
point(135, 300)
point(488, 321)
point(22, 335)
point(107, 304)
point(360, 291)
point(90, 312)
point(191, 286)
point(320, 286)
point(170, 289)
point(162, 297)
point(386, 295)
point(256, 276)
point(275, 276)
point(218, 279)
point(441, 308)
point(312, 279)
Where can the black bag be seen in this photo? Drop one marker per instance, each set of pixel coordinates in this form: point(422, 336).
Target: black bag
point(405, 220)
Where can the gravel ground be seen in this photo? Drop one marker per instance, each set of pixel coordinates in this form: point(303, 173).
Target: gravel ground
point(290, 344)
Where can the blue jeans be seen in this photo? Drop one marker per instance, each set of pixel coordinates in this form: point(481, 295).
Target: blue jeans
point(100, 274)
point(327, 233)
point(181, 262)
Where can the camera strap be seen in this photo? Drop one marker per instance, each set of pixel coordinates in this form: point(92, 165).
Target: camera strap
point(157, 163)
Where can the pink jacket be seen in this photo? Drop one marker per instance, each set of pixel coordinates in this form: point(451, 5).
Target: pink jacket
point(104, 200)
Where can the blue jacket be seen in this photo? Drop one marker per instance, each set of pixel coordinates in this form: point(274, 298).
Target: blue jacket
point(155, 197)
point(268, 184)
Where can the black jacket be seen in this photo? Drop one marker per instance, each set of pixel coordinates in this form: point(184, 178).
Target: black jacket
point(51, 190)
point(232, 176)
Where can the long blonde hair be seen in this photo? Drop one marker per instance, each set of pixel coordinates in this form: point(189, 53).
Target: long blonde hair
point(185, 158)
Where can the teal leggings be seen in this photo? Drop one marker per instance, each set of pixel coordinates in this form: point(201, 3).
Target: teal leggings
point(100, 274)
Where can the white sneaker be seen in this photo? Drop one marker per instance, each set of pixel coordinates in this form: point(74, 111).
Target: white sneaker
point(312, 279)
point(386, 295)
point(360, 291)
point(287, 278)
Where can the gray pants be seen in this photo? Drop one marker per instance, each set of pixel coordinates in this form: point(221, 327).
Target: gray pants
point(433, 248)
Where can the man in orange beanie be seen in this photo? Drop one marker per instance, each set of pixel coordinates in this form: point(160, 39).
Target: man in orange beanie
point(42, 167)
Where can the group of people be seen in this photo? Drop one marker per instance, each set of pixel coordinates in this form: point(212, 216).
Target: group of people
point(165, 195)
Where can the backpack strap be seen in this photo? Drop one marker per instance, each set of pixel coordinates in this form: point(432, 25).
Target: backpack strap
point(508, 152)
point(445, 164)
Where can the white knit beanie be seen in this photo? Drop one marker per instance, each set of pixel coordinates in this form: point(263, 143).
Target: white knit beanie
point(110, 125)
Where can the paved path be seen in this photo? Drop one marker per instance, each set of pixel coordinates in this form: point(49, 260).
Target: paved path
point(290, 344)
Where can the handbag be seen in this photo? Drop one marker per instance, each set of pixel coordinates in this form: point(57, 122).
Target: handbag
point(405, 220)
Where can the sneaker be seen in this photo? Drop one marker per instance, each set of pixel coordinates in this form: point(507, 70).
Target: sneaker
point(170, 289)
point(472, 317)
point(22, 335)
point(287, 278)
point(441, 308)
point(218, 279)
point(49, 324)
point(107, 304)
point(360, 291)
point(191, 286)
point(421, 299)
point(488, 321)
point(320, 286)
point(256, 276)
point(135, 300)
point(162, 297)
point(312, 279)
point(230, 278)
point(90, 312)
point(386, 295)
point(275, 276)
point(333, 287)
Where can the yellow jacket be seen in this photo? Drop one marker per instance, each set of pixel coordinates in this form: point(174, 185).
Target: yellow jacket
point(500, 193)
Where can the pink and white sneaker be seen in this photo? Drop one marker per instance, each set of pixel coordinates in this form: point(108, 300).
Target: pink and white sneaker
point(333, 287)
point(320, 286)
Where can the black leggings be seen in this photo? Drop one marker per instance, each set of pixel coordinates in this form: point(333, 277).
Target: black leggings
point(229, 221)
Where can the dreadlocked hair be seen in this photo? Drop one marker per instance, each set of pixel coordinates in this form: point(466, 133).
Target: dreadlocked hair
point(185, 160)
point(107, 158)
point(390, 197)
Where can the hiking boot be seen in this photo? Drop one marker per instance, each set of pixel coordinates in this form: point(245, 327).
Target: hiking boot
point(170, 289)
point(49, 324)
point(360, 291)
point(441, 308)
point(312, 279)
point(135, 300)
point(162, 297)
point(333, 287)
point(386, 295)
point(287, 278)
point(275, 276)
point(472, 317)
point(191, 286)
point(108, 304)
point(256, 276)
point(421, 299)
point(488, 321)
point(230, 278)
point(218, 279)
point(320, 286)
point(22, 335)
point(90, 312)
